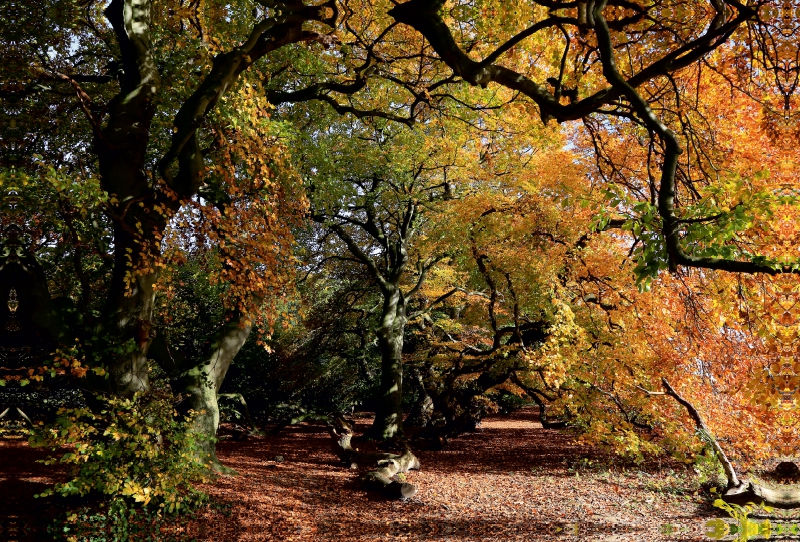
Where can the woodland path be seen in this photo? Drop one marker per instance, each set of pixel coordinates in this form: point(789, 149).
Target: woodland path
point(511, 480)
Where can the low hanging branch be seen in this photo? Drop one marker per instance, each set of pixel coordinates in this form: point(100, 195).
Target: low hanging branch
point(537, 396)
point(739, 491)
point(730, 473)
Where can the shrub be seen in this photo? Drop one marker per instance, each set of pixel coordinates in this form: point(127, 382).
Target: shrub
point(709, 470)
point(135, 450)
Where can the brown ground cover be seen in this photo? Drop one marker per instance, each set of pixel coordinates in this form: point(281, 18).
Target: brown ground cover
point(511, 480)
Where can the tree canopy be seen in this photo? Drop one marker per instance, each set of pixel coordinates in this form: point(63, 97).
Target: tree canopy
point(567, 201)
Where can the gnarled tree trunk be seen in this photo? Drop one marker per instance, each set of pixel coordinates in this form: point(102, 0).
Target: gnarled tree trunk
point(750, 492)
point(389, 414)
point(388, 465)
point(537, 395)
point(203, 381)
point(121, 150)
point(458, 402)
point(420, 415)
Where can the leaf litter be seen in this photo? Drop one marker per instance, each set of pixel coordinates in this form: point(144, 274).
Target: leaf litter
point(510, 480)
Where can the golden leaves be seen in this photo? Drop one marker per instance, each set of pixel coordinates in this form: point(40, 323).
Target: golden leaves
point(242, 228)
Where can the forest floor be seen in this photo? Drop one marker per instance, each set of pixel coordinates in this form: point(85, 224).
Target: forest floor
point(511, 480)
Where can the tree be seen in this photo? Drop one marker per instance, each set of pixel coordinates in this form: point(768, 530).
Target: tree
point(167, 157)
point(374, 198)
point(681, 210)
point(138, 138)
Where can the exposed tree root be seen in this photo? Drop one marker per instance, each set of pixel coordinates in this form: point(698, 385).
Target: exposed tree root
point(381, 478)
point(755, 493)
point(388, 465)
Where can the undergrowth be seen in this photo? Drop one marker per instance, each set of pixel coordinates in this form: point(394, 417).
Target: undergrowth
point(118, 520)
point(133, 460)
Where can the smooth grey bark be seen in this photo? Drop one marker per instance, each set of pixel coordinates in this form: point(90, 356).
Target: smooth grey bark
point(202, 383)
point(380, 479)
point(749, 492)
point(132, 316)
point(201, 379)
point(389, 415)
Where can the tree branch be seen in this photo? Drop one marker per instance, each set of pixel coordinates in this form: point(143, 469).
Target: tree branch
point(730, 473)
point(265, 37)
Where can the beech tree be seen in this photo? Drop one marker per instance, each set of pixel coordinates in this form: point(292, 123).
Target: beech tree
point(154, 132)
point(137, 135)
point(372, 200)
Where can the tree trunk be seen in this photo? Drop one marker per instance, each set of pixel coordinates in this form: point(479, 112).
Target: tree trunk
point(738, 491)
point(457, 401)
point(537, 396)
point(422, 410)
point(121, 149)
point(202, 383)
point(129, 323)
point(389, 413)
point(730, 472)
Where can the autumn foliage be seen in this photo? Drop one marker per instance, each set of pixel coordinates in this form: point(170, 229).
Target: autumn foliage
point(441, 206)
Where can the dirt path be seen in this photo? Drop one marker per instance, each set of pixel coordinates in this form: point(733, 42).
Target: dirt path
point(512, 480)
